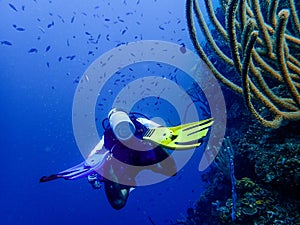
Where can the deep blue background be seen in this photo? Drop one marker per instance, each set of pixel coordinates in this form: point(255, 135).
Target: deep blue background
point(36, 97)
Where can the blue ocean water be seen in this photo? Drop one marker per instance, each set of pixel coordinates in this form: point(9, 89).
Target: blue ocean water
point(45, 48)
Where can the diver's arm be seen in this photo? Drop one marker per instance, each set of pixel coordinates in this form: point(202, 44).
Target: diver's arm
point(116, 194)
point(148, 123)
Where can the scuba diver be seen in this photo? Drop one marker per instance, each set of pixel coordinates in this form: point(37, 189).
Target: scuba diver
point(129, 145)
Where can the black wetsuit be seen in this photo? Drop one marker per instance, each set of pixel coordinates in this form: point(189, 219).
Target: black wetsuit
point(148, 154)
point(127, 163)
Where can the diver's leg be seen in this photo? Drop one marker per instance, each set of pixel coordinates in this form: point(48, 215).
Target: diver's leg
point(116, 195)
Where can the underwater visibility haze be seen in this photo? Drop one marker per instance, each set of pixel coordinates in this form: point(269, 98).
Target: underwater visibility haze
point(66, 64)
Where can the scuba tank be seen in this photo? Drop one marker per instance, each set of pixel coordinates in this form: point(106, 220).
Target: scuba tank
point(121, 124)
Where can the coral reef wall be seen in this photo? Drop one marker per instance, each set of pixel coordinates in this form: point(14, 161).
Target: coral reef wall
point(267, 171)
point(253, 48)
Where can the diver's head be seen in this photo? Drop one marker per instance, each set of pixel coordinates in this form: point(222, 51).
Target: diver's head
point(121, 124)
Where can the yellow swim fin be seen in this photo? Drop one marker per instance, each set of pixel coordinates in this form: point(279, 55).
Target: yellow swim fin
point(180, 137)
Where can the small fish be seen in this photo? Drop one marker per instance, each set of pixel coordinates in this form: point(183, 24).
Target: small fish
point(32, 50)
point(48, 48)
point(6, 43)
point(71, 57)
point(23, 7)
point(119, 44)
point(72, 20)
point(50, 24)
point(120, 20)
point(61, 18)
point(161, 27)
point(68, 43)
point(48, 64)
point(59, 59)
point(87, 33)
point(41, 29)
point(13, 7)
point(90, 53)
point(99, 35)
point(107, 37)
point(182, 48)
point(124, 31)
point(20, 29)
